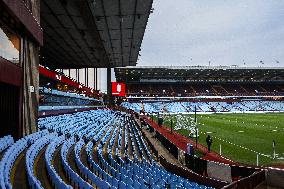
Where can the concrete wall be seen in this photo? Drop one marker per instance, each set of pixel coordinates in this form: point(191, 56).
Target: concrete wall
point(30, 57)
point(275, 177)
point(10, 99)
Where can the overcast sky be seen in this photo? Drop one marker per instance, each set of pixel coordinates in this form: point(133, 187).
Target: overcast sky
point(224, 32)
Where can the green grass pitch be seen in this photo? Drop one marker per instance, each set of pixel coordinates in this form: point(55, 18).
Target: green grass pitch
point(242, 135)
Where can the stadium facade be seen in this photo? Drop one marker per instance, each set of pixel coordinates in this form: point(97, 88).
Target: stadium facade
point(21, 37)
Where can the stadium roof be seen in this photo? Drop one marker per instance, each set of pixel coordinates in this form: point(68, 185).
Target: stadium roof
point(199, 74)
point(93, 33)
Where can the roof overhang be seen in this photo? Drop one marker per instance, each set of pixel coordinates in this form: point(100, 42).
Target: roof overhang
point(93, 33)
point(199, 74)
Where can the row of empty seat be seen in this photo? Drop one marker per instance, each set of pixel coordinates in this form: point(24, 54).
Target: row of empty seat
point(183, 107)
point(10, 156)
point(5, 142)
point(53, 97)
point(48, 108)
point(66, 94)
point(92, 149)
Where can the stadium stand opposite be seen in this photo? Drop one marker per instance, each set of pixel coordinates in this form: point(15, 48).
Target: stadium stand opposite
point(204, 89)
point(201, 81)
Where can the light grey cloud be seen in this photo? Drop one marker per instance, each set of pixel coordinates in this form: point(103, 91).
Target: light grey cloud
point(225, 32)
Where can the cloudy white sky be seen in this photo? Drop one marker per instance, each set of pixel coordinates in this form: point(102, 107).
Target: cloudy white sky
point(224, 32)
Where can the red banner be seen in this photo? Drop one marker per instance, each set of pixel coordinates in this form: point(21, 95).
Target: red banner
point(64, 79)
point(118, 89)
